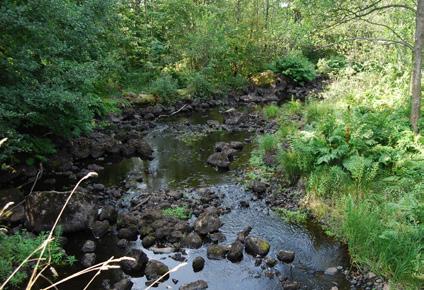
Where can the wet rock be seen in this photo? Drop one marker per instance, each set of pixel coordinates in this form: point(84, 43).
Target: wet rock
point(244, 204)
point(100, 228)
point(217, 252)
point(98, 187)
point(257, 246)
point(258, 262)
point(122, 243)
point(108, 213)
point(165, 250)
point(88, 259)
point(286, 256)
point(219, 159)
point(42, 208)
point(130, 233)
point(192, 241)
point(287, 285)
point(88, 247)
point(124, 284)
point(331, 271)
point(217, 237)
point(235, 253)
point(236, 145)
point(207, 223)
point(241, 236)
point(270, 262)
point(148, 241)
point(18, 215)
point(135, 267)
point(197, 285)
point(259, 187)
point(155, 269)
point(198, 264)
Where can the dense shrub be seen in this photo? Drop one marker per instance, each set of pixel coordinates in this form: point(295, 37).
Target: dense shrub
point(164, 87)
point(297, 67)
point(55, 54)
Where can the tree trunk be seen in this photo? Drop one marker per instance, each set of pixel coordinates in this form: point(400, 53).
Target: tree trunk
point(417, 65)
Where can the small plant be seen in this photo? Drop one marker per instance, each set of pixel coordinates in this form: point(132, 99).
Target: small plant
point(271, 112)
point(16, 247)
point(267, 143)
point(297, 67)
point(331, 64)
point(180, 212)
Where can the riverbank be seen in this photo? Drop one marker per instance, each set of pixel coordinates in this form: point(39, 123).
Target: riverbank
point(350, 160)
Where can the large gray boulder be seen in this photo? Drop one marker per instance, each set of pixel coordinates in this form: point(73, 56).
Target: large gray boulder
point(155, 269)
point(196, 285)
point(137, 266)
point(43, 207)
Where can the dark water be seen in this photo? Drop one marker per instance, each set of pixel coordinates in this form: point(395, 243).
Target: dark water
point(181, 163)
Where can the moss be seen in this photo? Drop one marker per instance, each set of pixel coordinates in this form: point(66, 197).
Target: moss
point(180, 212)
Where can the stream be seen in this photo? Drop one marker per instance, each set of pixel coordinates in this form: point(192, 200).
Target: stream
point(181, 164)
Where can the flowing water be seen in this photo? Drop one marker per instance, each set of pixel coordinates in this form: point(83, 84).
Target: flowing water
point(181, 163)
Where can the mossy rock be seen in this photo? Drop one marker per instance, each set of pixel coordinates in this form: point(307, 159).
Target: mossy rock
point(257, 246)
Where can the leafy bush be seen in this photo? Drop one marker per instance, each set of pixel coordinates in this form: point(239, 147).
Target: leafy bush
point(297, 67)
point(199, 85)
point(164, 87)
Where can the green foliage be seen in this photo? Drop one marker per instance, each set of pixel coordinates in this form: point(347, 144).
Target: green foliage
point(292, 216)
point(271, 111)
point(165, 87)
point(267, 143)
point(331, 65)
point(54, 56)
point(389, 237)
point(297, 67)
point(180, 212)
point(15, 248)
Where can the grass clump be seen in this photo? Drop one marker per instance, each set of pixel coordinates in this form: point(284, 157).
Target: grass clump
point(292, 216)
point(180, 212)
point(271, 112)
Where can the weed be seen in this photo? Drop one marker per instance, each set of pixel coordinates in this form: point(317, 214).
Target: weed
point(180, 212)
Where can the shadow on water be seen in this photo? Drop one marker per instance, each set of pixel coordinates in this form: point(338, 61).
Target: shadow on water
point(180, 162)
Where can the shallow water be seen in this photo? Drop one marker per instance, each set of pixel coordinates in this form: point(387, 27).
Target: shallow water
point(181, 163)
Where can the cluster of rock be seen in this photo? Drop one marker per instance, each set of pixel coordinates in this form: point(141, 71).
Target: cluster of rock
point(224, 154)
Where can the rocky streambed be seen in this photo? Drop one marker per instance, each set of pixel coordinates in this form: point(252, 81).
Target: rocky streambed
point(178, 197)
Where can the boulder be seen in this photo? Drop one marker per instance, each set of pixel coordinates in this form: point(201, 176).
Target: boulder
point(135, 267)
point(286, 256)
point(257, 246)
point(148, 241)
point(88, 260)
point(43, 207)
point(192, 241)
point(259, 187)
point(207, 223)
point(331, 271)
point(196, 285)
point(130, 233)
point(198, 264)
point(217, 252)
point(108, 213)
point(88, 247)
point(219, 159)
point(155, 269)
point(100, 228)
point(235, 253)
point(141, 147)
point(270, 262)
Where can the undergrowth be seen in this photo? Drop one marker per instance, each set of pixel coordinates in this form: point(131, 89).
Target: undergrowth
point(363, 167)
